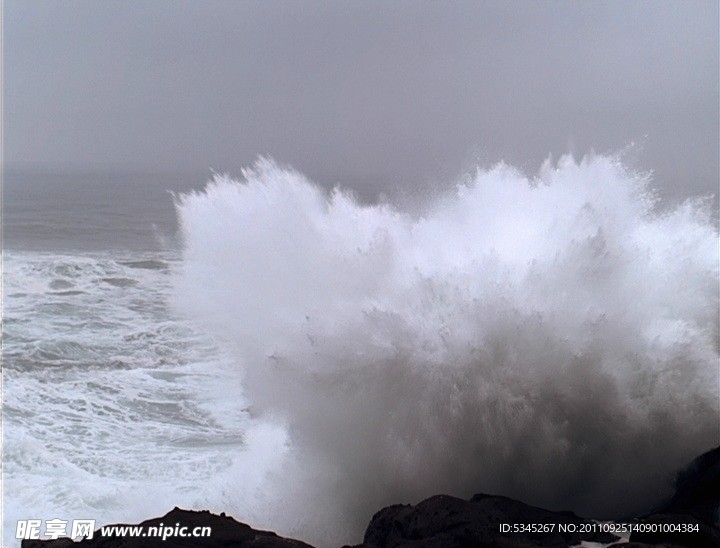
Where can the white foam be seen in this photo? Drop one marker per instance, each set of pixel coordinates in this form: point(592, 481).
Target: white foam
point(113, 409)
point(551, 339)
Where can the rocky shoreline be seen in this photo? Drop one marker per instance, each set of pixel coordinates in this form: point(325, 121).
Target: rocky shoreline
point(443, 521)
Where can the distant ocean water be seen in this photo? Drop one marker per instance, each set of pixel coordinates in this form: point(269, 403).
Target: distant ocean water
point(298, 360)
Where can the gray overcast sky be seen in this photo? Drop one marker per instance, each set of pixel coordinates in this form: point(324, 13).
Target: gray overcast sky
point(367, 93)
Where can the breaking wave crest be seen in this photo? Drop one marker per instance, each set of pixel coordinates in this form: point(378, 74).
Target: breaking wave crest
point(552, 339)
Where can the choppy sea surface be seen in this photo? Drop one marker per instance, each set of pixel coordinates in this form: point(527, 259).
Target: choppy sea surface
point(114, 406)
point(285, 354)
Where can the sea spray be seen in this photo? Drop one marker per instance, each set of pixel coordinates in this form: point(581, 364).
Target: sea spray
point(552, 339)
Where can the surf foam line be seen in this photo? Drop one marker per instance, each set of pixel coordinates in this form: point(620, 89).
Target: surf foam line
point(552, 339)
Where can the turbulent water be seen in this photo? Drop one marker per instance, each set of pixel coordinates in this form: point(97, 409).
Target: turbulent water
point(302, 360)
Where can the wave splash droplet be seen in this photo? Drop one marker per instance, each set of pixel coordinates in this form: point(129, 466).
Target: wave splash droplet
point(550, 339)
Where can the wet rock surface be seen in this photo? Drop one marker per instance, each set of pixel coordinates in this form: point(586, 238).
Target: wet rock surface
point(484, 520)
point(696, 502)
point(697, 489)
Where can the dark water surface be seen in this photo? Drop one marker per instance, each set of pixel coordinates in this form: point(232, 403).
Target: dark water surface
point(91, 211)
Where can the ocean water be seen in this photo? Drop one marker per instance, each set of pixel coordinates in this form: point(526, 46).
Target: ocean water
point(297, 359)
point(115, 407)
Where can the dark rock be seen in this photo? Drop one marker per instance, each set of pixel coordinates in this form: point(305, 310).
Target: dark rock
point(696, 501)
point(706, 536)
point(56, 543)
point(381, 525)
point(697, 490)
point(642, 545)
point(225, 532)
point(448, 522)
